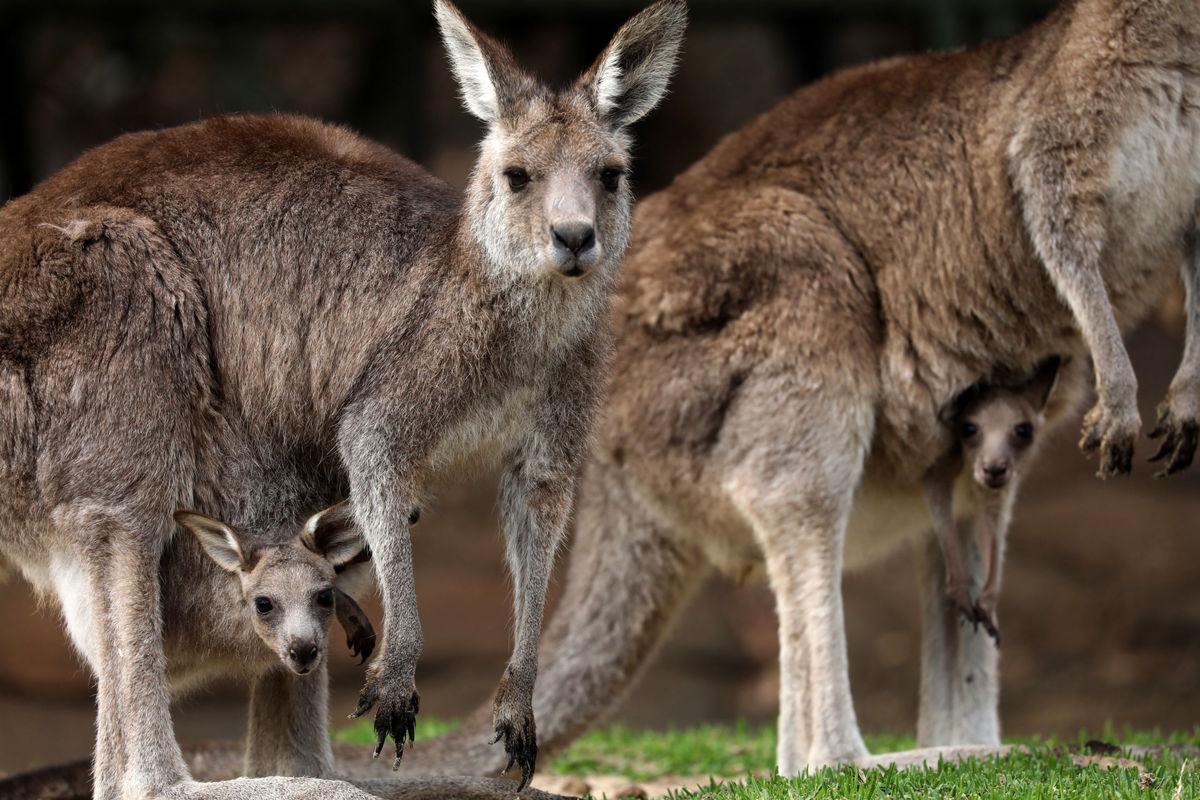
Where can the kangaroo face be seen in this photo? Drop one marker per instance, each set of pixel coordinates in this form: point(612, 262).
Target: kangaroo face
point(996, 433)
point(549, 196)
point(289, 592)
point(288, 588)
point(553, 189)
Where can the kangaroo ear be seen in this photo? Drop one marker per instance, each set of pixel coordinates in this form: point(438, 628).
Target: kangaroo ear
point(950, 413)
point(1044, 379)
point(333, 534)
point(487, 76)
point(220, 541)
point(630, 77)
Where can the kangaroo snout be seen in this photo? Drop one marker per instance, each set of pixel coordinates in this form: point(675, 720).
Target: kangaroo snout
point(995, 474)
point(302, 655)
point(574, 246)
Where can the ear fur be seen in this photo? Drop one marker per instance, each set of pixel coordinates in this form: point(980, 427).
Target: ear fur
point(220, 541)
point(630, 77)
point(1044, 379)
point(951, 412)
point(488, 78)
point(332, 534)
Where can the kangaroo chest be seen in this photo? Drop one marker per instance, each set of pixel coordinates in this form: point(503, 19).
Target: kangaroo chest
point(1154, 187)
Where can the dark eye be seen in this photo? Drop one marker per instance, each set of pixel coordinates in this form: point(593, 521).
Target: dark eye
point(325, 598)
point(610, 177)
point(1024, 431)
point(969, 429)
point(518, 178)
point(263, 605)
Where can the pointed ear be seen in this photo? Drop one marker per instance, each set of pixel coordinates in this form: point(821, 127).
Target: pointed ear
point(630, 76)
point(952, 412)
point(487, 76)
point(1042, 383)
point(220, 541)
point(333, 534)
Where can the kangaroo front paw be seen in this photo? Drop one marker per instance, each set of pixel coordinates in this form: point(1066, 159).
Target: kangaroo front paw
point(1179, 435)
point(1111, 432)
point(395, 714)
point(512, 715)
point(360, 635)
point(520, 742)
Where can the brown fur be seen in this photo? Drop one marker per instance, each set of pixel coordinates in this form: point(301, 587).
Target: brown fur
point(798, 306)
point(257, 316)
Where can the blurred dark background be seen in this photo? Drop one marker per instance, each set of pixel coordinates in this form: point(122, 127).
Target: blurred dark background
point(1101, 608)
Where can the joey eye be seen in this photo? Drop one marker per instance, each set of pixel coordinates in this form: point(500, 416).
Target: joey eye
point(263, 605)
point(969, 429)
point(518, 178)
point(1024, 431)
point(610, 178)
point(325, 598)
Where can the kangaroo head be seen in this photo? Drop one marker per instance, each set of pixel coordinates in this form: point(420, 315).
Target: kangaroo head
point(288, 588)
point(996, 425)
point(549, 197)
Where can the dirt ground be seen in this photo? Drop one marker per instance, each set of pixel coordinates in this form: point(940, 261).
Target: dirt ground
point(1100, 613)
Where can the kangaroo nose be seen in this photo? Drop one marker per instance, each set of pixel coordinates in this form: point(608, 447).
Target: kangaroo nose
point(996, 473)
point(302, 654)
point(574, 236)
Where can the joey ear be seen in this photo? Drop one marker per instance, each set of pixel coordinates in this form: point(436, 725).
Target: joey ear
point(487, 76)
point(630, 77)
point(950, 413)
point(333, 534)
point(220, 541)
point(1044, 379)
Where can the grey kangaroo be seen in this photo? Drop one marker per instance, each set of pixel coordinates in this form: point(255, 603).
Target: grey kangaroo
point(994, 426)
point(254, 316)
point(218, 612)
point(797, 307)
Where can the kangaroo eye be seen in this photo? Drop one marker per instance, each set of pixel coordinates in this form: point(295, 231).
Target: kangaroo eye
point(1024, 431)
point(518, 178)
point(325, 598)
point(263, 605)
point(969, 429)
point(610, 178)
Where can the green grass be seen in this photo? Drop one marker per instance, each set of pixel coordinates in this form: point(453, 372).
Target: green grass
point(741, 752)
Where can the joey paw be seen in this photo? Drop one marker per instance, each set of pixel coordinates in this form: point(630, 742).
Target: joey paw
point(958, 599)
point(520, 742)
point(361, 643)
point(1179, 438)
point(1111, 433)
point(984, 618)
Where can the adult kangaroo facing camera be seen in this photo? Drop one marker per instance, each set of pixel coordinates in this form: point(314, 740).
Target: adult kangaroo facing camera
point(249, 315)
point(798, 306)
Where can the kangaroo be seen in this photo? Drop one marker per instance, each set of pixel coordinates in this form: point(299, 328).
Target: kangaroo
point(297, 314)
point(995, 426)
point(283, 595)
point(798, 305)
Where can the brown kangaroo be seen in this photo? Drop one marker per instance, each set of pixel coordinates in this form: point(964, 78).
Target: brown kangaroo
point(251, 316)
point(797, 307)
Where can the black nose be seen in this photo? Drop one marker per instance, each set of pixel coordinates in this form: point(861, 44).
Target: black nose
point(302, 654)
point(574, 236)
point(996, 469)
